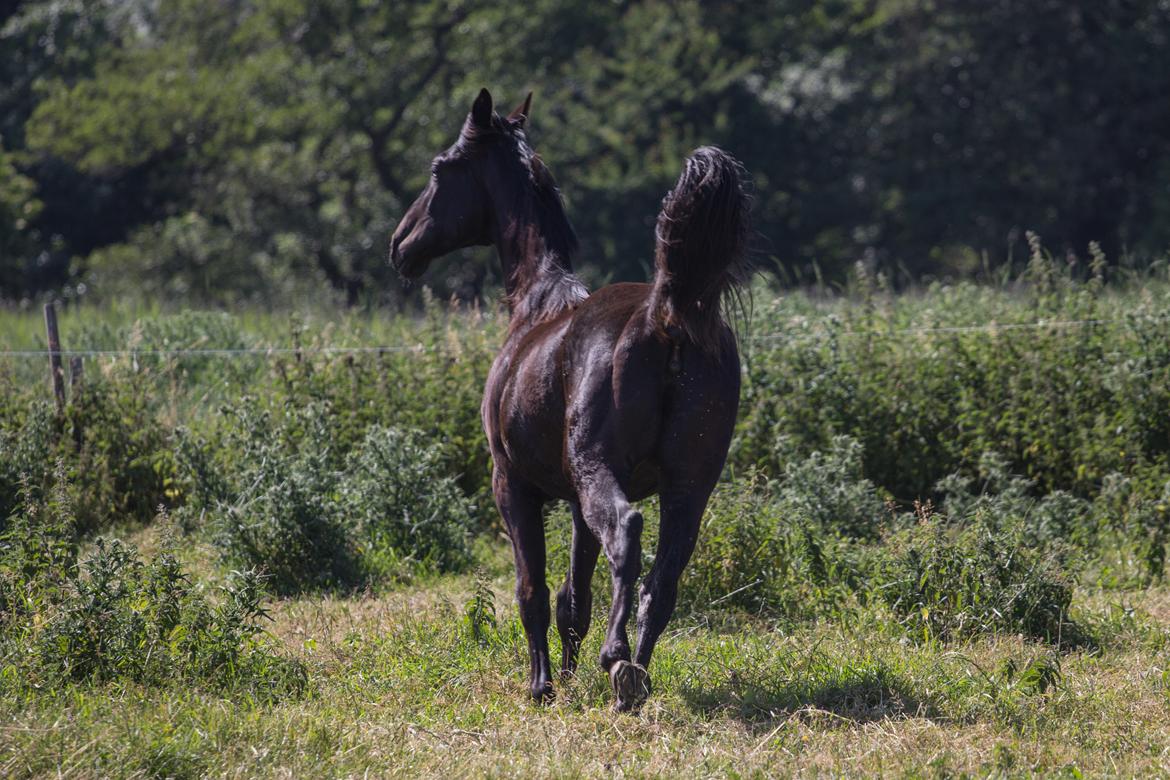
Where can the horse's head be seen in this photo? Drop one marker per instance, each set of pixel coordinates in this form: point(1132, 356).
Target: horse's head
point(454, 210)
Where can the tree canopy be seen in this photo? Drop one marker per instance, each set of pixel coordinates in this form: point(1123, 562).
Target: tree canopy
point(263, 149)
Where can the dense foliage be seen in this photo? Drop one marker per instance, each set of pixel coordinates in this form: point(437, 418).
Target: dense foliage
point(262, 149)
point(963, 457)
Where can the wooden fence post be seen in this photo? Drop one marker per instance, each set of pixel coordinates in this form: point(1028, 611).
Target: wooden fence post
point(57, 374)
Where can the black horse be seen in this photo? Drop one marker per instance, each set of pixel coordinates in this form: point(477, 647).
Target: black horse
point(601, 399)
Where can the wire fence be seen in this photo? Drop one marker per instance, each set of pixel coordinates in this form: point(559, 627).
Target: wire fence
point(231, 352)
point(213, 352)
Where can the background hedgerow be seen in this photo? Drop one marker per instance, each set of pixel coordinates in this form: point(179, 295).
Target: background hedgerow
point(335, 471)
point(1066, 403)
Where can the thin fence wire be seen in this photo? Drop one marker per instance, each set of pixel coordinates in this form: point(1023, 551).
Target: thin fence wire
point(217, 352)
point(989, 328)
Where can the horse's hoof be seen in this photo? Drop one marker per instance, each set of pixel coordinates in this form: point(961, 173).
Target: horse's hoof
point(543, 694)
point(631, 685)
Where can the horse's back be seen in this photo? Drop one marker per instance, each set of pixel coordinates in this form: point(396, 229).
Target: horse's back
point(599, 387)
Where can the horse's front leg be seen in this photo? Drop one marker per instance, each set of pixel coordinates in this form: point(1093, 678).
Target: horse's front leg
point(520, 506)
point(575, 598)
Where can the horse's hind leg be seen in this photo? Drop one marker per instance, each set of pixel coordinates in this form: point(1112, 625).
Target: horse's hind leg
point(619, 527)
point(575, 598)
point(521, 507)
point(682, 513)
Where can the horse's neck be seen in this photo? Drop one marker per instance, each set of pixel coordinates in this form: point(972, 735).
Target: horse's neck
point(538, 274)
point(528, 257)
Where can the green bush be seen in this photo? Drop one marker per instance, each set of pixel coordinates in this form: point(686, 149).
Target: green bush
point(402, 508)
point(1119, 537)
point(820, 542)
point(125, 465)
point(27, 445)
point(281, 496)
point(952, 580)
point(829, 490)
point(434, 386)
point(123, 618)
point(280, 515)
point(117, 617)
point(115, 448)
point(1130, 526)
point(762, 553)
point(38, 552)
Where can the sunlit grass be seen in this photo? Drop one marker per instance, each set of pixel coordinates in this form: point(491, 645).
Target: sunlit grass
point(401, 687)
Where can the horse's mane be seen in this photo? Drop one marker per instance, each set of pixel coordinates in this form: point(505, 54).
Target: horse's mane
point(545, 285)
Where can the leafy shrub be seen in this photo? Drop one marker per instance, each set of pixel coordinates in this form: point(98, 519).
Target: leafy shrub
point(27, 444)
point(282, 498)
point(829, 490)
point(115, 616)
point(952, 580)
point(435, 388)
point(38, 551)
point(758, 554)
point(397, 501)
point(128, 619)
point(114, 447)
point(996, 497)
point(281, 516)
point(1130, 523)
point(124, 466)
point(1121, 535)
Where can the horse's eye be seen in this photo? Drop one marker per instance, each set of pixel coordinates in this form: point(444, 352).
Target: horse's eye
point(434, 169)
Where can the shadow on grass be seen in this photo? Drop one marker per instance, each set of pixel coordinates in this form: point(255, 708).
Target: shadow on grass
point(848, 694)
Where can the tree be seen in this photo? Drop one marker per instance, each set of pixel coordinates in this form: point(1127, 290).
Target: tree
point(263, 149)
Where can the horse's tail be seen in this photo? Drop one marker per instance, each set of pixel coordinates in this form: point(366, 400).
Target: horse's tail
point(702, 237)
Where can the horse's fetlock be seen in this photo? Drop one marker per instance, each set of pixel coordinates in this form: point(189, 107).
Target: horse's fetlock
point(611, 653)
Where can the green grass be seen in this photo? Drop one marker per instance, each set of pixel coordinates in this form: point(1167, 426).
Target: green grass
point(400, 686)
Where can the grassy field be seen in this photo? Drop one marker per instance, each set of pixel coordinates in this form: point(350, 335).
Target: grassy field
point(939, 549)
point(400, 685)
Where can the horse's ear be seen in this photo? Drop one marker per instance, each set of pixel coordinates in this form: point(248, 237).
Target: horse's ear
point(481, 109)
point(520, 115)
